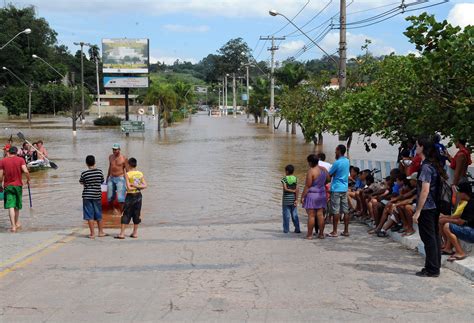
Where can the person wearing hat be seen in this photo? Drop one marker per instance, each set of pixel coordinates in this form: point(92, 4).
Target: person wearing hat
point(12, 168)
point(461, 228)
point(116, 186)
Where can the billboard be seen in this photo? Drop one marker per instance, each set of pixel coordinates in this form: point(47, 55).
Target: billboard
point(125, 81)
point(123, 55)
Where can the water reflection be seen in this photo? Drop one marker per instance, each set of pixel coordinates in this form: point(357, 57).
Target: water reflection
point(202, 171)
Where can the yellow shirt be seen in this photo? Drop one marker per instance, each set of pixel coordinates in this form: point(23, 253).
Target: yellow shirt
point(135, 177)
point(460, 208)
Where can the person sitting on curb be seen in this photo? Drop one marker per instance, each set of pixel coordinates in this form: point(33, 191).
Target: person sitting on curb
point(460, 228)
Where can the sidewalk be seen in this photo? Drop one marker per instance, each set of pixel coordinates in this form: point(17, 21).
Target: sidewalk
point(237, 272)
point(464, 267)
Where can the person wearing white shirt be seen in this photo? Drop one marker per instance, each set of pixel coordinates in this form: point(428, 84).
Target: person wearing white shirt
point(322, 162)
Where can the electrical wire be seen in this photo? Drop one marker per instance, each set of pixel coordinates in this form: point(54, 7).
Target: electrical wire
point(315, 16)
point(297, 14)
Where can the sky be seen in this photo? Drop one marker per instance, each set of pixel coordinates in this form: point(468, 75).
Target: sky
point(189, 30)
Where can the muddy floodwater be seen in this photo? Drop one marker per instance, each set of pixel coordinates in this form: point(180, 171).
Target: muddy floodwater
point(204, 170)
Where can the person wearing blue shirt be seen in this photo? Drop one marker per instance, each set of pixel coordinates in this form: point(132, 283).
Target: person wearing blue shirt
point(339, 186)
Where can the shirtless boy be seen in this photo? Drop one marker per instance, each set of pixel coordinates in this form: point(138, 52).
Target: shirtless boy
point(116, 177)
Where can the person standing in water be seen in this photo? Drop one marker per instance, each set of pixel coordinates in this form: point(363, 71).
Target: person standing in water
point(116, 186)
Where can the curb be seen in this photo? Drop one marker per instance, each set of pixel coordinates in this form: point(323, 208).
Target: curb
point(463, 267)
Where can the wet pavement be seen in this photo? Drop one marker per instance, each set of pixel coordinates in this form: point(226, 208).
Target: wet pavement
point(234, 272)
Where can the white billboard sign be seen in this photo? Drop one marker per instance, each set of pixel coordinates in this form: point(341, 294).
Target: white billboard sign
point(125, 82)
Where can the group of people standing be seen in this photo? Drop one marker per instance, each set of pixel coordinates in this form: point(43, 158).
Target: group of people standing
point(124, 184)
point(325, 198)
point(319, 198)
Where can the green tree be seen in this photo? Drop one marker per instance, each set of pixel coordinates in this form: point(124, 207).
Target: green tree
point(164, 97)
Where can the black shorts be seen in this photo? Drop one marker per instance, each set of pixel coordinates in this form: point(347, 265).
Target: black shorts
point(132, 208)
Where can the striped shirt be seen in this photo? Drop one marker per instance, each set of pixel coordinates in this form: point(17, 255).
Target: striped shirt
point(92, 179)
point(288, 197)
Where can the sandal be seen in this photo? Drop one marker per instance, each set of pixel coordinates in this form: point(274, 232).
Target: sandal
point(454, 258)
point(132, 236)
point(345, 234)
point(407, 234)
point(332, 235)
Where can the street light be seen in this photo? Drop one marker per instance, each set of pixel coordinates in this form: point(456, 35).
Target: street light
point(274, 13)
point(59, 73)
point(82, 77)
point(74, 117)
point(26, 31)
point(29, 90)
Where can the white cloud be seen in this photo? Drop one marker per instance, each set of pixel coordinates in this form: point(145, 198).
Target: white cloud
point(462, 14)
point(354, 43)
point(228, 8)
point(291, 47)
point(186, 29)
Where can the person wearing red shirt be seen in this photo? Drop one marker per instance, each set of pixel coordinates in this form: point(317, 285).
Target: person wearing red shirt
point(460, 162)
point(12, 168)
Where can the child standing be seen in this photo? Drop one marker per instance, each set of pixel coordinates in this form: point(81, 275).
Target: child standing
point(91, 179)
point(135, 182)
point(290, 200)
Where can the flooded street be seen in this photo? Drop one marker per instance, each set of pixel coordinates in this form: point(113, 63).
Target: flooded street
point(204, 170)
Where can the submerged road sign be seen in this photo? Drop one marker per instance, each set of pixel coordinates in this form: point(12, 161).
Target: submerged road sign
point(132, 126)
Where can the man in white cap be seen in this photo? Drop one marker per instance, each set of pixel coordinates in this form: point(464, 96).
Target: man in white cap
point(116, 186)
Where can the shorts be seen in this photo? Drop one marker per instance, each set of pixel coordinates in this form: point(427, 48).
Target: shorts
point(338, 203)
point(132, 208)
point(13, 197)
point(92, 210)
point(464, 233)
point(116, 186)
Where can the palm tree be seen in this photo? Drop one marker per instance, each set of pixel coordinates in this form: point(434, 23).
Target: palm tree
point(163, 96)
point(291, 74)
point(94, 53)
point(260, 98)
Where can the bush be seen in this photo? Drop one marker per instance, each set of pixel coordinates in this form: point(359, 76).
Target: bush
point(108, 121)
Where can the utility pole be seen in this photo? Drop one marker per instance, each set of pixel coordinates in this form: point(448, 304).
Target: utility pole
point(225, 94)
point(248, 92)
point(342, 47)
point(234, 99)
point(74, 110)
point(98, 85)
point(274, 48)
point(83, 110)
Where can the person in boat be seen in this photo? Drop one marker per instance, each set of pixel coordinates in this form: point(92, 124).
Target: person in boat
point(34, 153)
point(43, 152)
point(25, 152)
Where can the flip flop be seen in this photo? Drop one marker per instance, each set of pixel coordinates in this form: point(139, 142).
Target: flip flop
point(447, 253)
point(132, 236)
point(344, 234)
point(454, 258)
point(331, 235)
point(105, 235)
point(407, 234)
point(119, 237)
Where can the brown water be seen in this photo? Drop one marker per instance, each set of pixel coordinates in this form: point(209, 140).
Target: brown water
point(204, 170)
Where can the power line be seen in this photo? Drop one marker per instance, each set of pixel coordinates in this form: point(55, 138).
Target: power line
point(307, 23)
point(301, 10)
point(401, 9)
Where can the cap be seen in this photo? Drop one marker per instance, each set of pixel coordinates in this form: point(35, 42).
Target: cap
point(465, 187)
point(413, 176)
point(116, 146)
